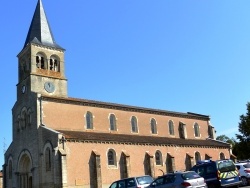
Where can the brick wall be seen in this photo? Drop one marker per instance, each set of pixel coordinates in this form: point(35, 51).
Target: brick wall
point(71, 116)
point(78, 157)
point(56, 116)
point(1, 179)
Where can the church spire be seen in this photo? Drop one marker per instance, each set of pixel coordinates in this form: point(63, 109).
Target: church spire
point(40, 31)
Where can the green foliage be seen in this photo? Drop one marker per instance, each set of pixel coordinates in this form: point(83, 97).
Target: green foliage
point(241, 151)
point(242, 148)
point(225, 138)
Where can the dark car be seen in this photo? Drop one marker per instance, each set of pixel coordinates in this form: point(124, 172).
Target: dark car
point(188, 179)
point(133, 182)
point(219, 173)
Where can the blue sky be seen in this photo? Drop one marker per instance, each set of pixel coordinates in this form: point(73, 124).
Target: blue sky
point(184, 56)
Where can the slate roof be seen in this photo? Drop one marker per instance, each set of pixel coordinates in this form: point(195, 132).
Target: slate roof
point(40, 32)
point(81, 136)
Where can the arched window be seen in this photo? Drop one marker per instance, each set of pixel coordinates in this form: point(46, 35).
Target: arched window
point(211, 131)
point(134, 124)
point(48, 159)
point(89, 120)
point(171, 127)
point(182, 130)
point(158, 158)
point(111, 157)
point(54, 63)
point(40, 61)
point(10, 169)
point(153, 126)
point(222, 156)
point(112, 121)
point(196, 130)
point(19, 123)
point(29, 117)
point(24, 118)
point(197, 157)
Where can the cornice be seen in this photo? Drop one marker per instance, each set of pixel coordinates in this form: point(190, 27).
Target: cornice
point(47, 47)
point(143, 144)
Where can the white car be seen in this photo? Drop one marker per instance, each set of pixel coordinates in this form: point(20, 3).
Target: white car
point(133, 182)
point(244, 170)
point(187, 179)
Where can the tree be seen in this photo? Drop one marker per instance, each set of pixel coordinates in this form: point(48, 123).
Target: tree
point(226, 139)
point(243, 146)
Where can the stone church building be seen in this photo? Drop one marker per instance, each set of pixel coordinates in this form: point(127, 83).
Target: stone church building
point(59, 141)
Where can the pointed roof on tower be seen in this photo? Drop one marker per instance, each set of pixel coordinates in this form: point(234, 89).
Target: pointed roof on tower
point(40, 31)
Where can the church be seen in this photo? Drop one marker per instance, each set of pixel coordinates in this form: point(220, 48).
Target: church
point(60, 141)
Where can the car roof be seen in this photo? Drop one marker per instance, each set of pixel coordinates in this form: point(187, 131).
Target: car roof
point(205, 162)
point(243, 161)
point(133, 177)
point(242, 164)
point(176, 172)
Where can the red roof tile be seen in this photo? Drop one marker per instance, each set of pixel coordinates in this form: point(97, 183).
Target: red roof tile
point(136, 139)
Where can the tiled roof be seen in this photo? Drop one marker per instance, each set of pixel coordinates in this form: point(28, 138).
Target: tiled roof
point(136, 139)
point(1, 174)
point(108, 105)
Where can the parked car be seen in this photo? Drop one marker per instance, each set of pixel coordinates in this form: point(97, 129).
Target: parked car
point(133, 182)
point(244, 170)
point(219, 173)
point(188, 179)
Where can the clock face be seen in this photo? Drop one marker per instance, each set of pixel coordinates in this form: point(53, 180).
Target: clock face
point(49, 87)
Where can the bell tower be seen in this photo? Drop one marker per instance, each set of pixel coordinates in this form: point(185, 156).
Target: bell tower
point(41, 61)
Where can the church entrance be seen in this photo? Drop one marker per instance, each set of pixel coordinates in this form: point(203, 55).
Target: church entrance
point(25, 175)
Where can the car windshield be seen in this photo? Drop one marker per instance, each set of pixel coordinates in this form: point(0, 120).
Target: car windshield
point(190, 175)
point(247, 165)
point(226, 166)
point(144, 180)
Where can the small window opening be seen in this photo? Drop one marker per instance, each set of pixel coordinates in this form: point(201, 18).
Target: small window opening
point(48, 159)
point(158, 158)
point(10, 169)
point(40, 62)
point(112, 122)
point(54, 64)
point(111, 157)
point(134, 124)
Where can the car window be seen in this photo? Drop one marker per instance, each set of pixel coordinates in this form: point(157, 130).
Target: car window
point(211, 170)
point(121, 184)
point(190, 175)
point(113, 185)
point(170, 179)
point(131, 182)
point(226, 166)
point(159, 181)
point(238, 167)
point(201, 170)
point(247, 165)
point(144, 180)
